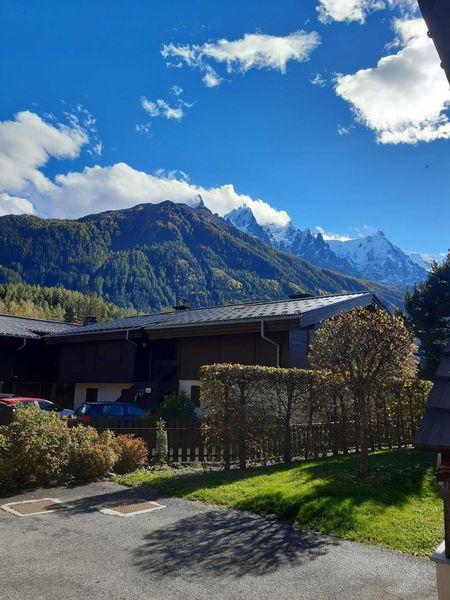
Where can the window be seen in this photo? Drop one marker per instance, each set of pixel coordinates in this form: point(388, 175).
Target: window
point(48, 406)
point(91, 394)
point(114, 410)
point(135, 411)
point(195, 395)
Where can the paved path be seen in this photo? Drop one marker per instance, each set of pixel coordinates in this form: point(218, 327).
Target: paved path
point(189, 551)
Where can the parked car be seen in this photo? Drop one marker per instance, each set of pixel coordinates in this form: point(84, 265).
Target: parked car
point(47, 405)
point(3, 396)
point(109, 410)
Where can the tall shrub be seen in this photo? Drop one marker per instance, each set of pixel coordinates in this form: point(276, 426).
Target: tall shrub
point(364, 351)
point(34, 448)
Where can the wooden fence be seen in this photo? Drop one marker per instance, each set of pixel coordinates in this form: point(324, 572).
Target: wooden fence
point(186, 444)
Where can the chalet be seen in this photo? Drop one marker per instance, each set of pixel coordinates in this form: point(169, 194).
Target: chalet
point(29, 366)
point(142, 358)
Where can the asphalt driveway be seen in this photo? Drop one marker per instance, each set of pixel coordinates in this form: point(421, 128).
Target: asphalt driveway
point(188, 551)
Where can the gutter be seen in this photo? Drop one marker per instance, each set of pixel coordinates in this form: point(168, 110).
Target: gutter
point(277, 346)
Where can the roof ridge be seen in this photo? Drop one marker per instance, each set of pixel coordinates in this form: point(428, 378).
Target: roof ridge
point(257, 302)
point(40, 320)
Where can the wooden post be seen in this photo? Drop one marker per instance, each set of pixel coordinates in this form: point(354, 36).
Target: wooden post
point(443, 476)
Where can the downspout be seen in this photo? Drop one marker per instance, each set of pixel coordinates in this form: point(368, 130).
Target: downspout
point(127, 332)
point(277, 346)
point(22, 346)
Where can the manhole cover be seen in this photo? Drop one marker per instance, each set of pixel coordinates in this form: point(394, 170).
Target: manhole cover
point(128, 509)
point(27, 508)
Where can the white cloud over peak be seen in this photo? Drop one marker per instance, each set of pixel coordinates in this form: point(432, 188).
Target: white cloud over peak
point(357, 10)
point(28, 143)
point(328, 235)
point(252, 51)
point(404, 98)
point(13, 205)
point(96, 189)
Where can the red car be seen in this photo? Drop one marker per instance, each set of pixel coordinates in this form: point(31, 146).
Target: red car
point(38, 402)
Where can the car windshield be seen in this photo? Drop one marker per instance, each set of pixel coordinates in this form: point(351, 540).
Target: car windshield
point(47, 405)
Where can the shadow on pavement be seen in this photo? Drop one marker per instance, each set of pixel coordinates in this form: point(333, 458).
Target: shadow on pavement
point(226, 542)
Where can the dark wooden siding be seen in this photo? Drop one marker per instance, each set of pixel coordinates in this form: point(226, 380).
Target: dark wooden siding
point(97, 362)
point(298, 348)
point(247, 348)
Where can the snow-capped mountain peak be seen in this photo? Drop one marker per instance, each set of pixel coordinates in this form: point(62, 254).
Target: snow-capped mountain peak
point(370, 257)
point(375, 257)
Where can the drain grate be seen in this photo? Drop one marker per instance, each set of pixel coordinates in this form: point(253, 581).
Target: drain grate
point(27, 508)
point(130, 509)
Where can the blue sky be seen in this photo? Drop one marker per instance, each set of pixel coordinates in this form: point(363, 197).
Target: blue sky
point(350, 155)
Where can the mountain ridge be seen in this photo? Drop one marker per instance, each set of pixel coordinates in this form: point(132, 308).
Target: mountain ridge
point(373, 257)
point(147, 256)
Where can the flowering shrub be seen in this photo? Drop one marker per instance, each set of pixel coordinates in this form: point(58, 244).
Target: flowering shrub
point(132, 453)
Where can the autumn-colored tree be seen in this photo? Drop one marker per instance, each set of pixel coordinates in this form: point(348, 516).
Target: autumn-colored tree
point(364, 350)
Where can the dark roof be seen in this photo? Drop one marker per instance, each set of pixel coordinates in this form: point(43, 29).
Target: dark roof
point(434, 431)
point(309, 310)
point(437, 17)
point(23, 327)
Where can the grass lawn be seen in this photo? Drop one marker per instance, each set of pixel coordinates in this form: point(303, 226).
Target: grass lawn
point(398, 506)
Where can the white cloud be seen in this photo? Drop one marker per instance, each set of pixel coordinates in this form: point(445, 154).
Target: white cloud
point(347, 10)
point(328, 235)
point(96, 189)
point(176, 90)
point(211, 78)
point(342, 130)
point(404, 98)
point(160, 108)
point(253, 51)
point(318, 80)
point(28, 143)
point(13, 205)
point(357, 10)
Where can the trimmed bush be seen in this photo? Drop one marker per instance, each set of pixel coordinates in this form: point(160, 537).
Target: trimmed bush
point(176, 407)
point(34, 449)
point(132, 453)
point(92, 454)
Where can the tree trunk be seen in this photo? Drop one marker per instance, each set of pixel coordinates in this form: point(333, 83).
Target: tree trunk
point(287, 446)
point(242, 433)
point(363, 463)
point(226, 437)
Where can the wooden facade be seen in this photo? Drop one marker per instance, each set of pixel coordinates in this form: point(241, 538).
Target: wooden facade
point(142, 358)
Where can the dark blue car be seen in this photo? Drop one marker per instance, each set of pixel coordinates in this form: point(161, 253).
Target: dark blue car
point(109, 410)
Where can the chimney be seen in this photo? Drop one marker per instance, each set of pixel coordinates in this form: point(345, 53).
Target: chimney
point(181, 305)
point(89, 320)
point(300, 296)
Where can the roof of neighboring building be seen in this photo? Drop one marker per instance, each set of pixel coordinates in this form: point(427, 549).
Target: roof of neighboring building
point(437, 17)
point(310, 310)
point(434, 431)
point(24, 327)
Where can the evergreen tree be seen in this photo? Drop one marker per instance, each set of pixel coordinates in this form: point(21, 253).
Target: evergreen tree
point(428, 309)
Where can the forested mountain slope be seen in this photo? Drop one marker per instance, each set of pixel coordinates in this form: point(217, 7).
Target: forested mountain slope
point(148, 256)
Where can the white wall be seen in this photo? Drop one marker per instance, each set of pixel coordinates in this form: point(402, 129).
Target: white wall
point(107, 392)
point(186, 384)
